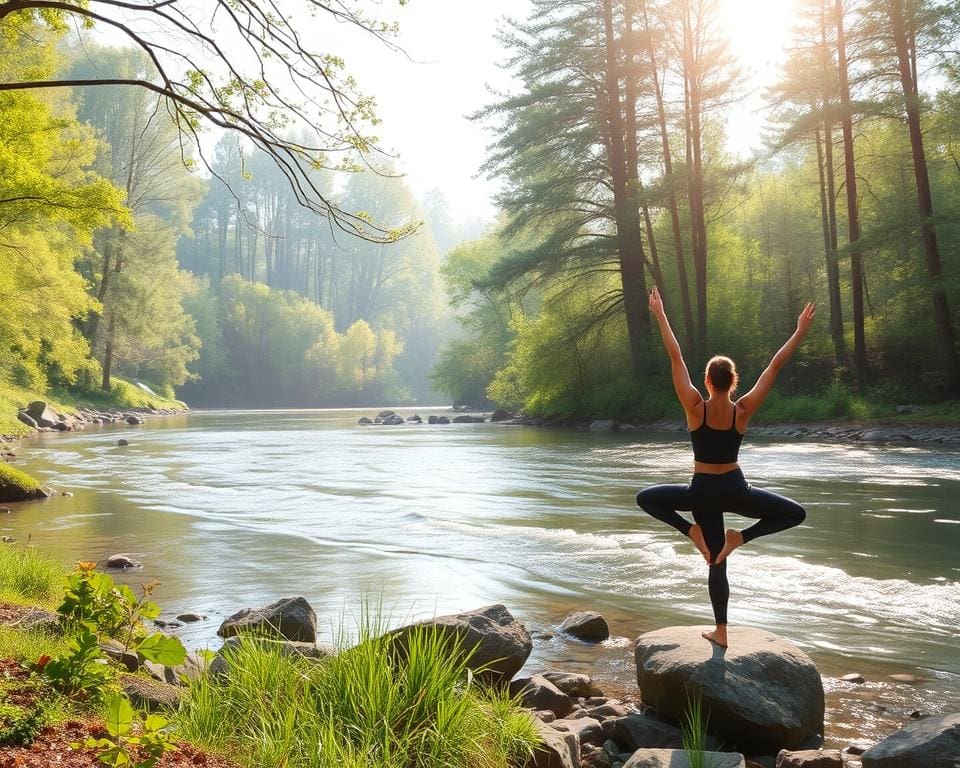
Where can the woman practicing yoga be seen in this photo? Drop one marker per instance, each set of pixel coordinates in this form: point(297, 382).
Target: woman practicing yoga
point(716, 426)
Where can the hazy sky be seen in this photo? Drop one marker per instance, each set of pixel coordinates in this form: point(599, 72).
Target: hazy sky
point(424, 105)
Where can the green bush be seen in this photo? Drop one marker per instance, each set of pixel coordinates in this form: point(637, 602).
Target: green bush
point(365, 706)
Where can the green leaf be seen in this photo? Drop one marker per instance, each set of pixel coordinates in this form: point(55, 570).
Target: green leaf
point(155, 722)
point(163, 649)
point(119, 716)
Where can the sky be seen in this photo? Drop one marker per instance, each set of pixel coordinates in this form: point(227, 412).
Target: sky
point(452, 61)
point(424, 103)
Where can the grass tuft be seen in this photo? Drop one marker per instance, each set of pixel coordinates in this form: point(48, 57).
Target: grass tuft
point(29, 576)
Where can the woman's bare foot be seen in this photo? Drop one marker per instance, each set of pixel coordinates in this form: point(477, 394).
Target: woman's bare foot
point(696, 536)
point(718, 636)
point(732, 541)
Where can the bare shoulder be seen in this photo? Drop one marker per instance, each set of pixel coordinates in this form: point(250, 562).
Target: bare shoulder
point(742, 417)
point(695, 415)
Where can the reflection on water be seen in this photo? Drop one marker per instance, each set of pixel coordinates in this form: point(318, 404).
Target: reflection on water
point(233, 509)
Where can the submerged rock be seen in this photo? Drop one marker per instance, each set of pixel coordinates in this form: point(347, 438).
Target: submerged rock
point(572, 683)
point(291, 618)
point(499, 642)
point(762, 694)
point(933, 741)
point(122, 562)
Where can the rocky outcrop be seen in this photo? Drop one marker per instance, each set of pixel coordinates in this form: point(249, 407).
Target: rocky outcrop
point(932, 741)
point(588, 626)
point(762, 694)
point(572, 683)
point(499, 643)
point(677, 758)
point(42, 414)
point(290, 618)
point(538, 693)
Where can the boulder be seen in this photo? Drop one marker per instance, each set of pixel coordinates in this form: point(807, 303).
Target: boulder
point(122, 562)
point(607, 710)
point(385, 414)
point(538, 693)
point(117, 651)
point(432, 419)
point(27, 419)
point(500, 415)
point(557, 749)
point(393, 421)
point(762, 694)
point(933, 741)
point(291, 618)
point(645, 732)
point(586, 729)
point(192, 668)
point(677, 758)
point(364, 420)
point(603, 425)
point(810, 758)
point(572, 683)
point(586, 625)
point(415, 419)
point(122, 443)
point(854, 677)
point(464, 419)
point(150, 695)
point(189, 618)
point(443, 420)
point(499, 643)
point(134, 420)
point(42, 414)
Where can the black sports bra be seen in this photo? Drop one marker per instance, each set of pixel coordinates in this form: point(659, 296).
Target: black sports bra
point(716, 446)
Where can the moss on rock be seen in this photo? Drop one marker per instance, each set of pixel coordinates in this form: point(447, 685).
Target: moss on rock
point(18, 486)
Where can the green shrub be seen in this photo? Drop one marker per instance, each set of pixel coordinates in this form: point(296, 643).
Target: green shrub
point(29, 575)
point(365, 706)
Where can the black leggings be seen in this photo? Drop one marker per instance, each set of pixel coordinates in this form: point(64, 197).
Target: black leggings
point(708, 497)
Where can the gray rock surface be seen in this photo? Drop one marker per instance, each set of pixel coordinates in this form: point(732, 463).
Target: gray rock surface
point(42, 414)
point(603, 425)
point(291, 618)
point(646, 732)
point(763, 694)
point(150, 695)
point(500, 415)
point(677, 758)
point(586, 729)
point(933, 742)
point(586, 625)
point(122, 562)
point(810, 758)
point(538, 693)
point(572, 683)
point(558, 750)
point(499, 642)
point(27, 419)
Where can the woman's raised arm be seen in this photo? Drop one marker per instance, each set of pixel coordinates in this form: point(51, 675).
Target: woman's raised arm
point(750, 403)
point(687, 394)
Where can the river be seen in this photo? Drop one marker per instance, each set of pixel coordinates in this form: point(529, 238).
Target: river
point(234, 509)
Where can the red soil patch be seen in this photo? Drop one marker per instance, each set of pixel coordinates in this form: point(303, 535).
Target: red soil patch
point(53, 747)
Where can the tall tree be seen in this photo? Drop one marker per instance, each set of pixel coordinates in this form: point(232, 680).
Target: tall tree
point(904, 33)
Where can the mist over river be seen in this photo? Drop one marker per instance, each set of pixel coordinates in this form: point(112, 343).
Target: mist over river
point(235, 509)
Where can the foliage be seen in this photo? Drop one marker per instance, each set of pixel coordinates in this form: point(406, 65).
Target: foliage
point(694, 725)
point(365, 706)
point(28, 574)
point(122, 744)
point(81, 671)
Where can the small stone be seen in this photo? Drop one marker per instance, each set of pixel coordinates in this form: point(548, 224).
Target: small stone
point(908, 679)
point(189, 618)
point(121, 442)
point(7, 539)
point(134, 420)
point(916, 714)
point(810, 758)
point(545, 715)
point(364, 420)
point(854, 677)
point(67, 494)
point(122, 562)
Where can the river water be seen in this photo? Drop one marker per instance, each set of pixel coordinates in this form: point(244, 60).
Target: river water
point(232, 509)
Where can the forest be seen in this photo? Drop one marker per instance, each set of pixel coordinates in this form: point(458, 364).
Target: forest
point(196, 230)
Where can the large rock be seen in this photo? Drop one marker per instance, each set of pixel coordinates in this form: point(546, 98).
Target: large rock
point(500, 415)
point(538, 693)
point(42, 414)
point(645, 732)
point(762, 694)
point(291, 618)
point(586, 625)
point(677, 758)
point(586, 729)
point(27, 419)
point(556, 750)
point(500, 644)
point(19, 486)
point(933, 742)
point(122, 562)
point(150, 695)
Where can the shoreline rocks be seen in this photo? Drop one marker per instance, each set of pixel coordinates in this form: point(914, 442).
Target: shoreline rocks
point(290, 618)
point(932, 741)
point(762, 694)
point(41, 417)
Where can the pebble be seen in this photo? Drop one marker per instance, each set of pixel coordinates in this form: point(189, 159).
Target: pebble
point(854, 677)
point(908, 679)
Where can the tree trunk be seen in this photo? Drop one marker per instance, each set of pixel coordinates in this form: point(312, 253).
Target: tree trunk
point(108, 356)
point(684, 286)
point(905, 45)
point(625, 213)
point(829, 246)
point(853, 212)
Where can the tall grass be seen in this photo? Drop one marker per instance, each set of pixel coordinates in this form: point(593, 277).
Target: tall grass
point(694, 725)
point(28, 575)
point(373, 705)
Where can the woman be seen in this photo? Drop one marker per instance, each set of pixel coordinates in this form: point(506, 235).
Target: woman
point(716, 426)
